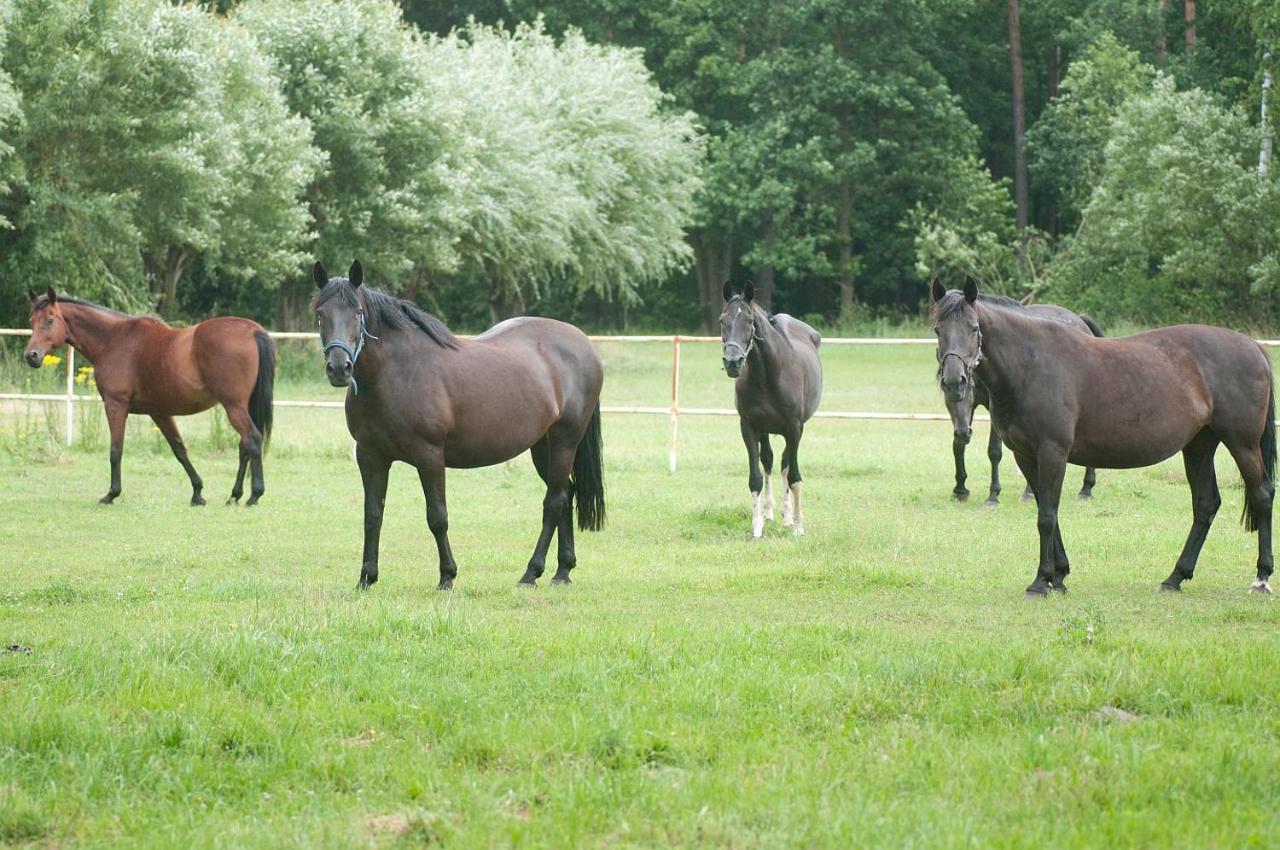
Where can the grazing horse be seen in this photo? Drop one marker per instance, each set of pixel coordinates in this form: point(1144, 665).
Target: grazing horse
point(778, 387)
point(421, 395)
point(974, 395)
point(141, 365)
point(1061, 397)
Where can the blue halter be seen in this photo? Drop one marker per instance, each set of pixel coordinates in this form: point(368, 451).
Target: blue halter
point(353, 355)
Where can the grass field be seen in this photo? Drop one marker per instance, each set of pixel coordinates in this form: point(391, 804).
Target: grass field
point(210, 678)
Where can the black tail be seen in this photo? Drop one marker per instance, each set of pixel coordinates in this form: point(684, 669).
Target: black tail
point(1268, 447)
point(588, 476)
point(260, 402)
point(1093, 326)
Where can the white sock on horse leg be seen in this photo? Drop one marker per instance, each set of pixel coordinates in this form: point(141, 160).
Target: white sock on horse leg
point(799, 516)
point(786, 499)
point(768, 497)
point(757, 517)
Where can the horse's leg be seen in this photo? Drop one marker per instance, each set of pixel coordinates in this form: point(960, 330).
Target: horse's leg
point(1259, 495)
point(251, 447)
point(1197, 459)
point(170, 430)
point(431, 474)
point(117, 412)
point(560, 454)
point(995, 452)
point(374, 472)
point(237, 490)
point(755, 481)
point(566, 558)
point(791, 473)
point(766, 460)
point(1090, 478)
point(1044, 473)
point(958, 444)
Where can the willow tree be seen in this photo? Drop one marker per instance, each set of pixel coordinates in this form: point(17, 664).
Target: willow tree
point(575, 171)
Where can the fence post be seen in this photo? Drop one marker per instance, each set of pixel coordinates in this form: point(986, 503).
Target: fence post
point(675, 399)
point(71, 389)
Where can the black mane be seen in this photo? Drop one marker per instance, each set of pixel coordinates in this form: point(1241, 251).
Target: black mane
point(387, 311)
point(954, 301)
point(42, 301)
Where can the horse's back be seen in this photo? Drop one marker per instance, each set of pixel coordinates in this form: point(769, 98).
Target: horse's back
point(806, 341)
point(562, 345)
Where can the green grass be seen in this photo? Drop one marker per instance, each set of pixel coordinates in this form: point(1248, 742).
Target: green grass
point(210, 678)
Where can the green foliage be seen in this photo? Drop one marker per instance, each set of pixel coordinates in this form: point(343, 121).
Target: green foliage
point(1179, 225)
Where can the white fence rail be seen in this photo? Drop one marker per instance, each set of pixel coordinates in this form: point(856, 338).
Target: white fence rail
point(70, 398)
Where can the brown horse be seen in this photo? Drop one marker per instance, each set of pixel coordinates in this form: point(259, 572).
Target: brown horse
point(421, 395)
point(1065, 397)
point(975, 395)
point(777, 389)
point(142, 365)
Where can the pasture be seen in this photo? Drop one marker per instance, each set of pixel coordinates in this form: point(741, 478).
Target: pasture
point(209, 677)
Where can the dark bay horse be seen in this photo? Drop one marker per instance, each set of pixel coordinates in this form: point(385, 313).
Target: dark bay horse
point(1118, 403)
point(421, 395)
point(974, 395)
point(778, 387)
point(141, 365)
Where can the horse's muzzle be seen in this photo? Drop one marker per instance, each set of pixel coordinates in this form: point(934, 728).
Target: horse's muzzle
point(733, 366)
point(33, 358)
point(339, 374)
point(964, 435)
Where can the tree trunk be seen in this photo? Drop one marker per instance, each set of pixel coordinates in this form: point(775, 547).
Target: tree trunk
point(765, 274)
point(1162, 51)
point(844, 245)
point(1019, 118)
point(1189, 11)
point(1264, 150)
point(504, 305)
point(175, 264)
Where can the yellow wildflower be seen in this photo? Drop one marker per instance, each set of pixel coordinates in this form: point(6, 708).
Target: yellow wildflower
point(52, 360)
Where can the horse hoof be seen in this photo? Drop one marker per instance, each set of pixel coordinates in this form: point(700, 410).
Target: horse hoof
point(1261, 586)
point(1083, 496)
point(253, 501)
point(561, 580)
point(991, 503)
point(527, 582)
point(1037, 591)
point(233, 500)
point(798, 531)
point(197, 501)
point(445, 584)
point(1166, 587)
point(1059, 588)
point(960, 495)
point(106, 500)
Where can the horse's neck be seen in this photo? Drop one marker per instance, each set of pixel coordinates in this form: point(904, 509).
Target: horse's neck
point(765, 359)
point(90, 330)
point(1006, 360)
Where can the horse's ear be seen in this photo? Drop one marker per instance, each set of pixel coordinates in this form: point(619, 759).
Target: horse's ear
point(53, 296)
point(319, 275)
point(356, 273)
point(728, 290)
point(31, 294)
point(970, 291)
point(938, 291)
point(748, 292)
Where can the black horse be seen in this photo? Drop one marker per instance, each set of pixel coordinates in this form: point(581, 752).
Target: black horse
point(421, 395)
point(1061, 397)
point(974, 395)
point(779, 384)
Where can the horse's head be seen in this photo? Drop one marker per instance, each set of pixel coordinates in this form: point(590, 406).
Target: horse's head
point(737, 327)
point(955, 321)
point(48, 327)
point(340, 318)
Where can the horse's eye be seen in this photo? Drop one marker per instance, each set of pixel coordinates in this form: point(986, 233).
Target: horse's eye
point(935, 330)
point(48, 323)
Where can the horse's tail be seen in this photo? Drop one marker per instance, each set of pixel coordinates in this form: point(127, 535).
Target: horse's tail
point(588, 476)
point(1091, 325)
point(1268, 447)
point(260, 401)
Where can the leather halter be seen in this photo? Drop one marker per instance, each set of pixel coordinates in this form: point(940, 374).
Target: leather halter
point(352, 354)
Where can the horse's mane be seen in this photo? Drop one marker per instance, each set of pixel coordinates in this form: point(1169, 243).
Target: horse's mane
point(387, 311)
point(954, 301)
point(42, 301)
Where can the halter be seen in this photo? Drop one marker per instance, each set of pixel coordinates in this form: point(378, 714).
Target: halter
point(968, 367)
point(353, 355)
point(746, 352)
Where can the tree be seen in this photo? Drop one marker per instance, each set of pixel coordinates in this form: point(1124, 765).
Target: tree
point(1019, 118)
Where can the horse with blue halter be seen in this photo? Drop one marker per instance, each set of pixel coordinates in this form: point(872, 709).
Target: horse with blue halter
point(778, 384)
point(973, 394)
point(1064, 397)
point(421, 395)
